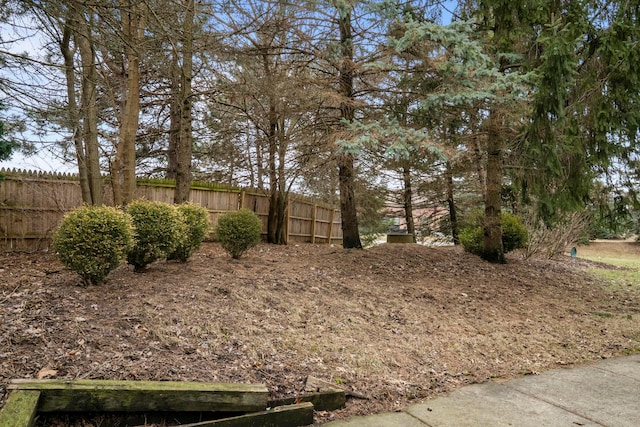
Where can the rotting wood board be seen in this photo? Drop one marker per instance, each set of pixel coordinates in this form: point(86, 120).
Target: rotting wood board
point(281, 416)
point(328, 400)
point(141, 396)
point(20, 409)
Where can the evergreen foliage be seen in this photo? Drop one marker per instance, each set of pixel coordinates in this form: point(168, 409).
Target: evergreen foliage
point(558, 176)
point(612, 214)
point(92, 241)
point(196, 226)
point(462, 74)
point(585, 115)
point(158, 231)
point(6, 146)
point(238, 231)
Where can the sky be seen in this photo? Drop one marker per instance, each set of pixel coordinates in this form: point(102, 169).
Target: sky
point(40, 161)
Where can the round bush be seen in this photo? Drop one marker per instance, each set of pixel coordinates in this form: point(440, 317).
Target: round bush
point(158, 228)
point(472, 239)
point(196, 221)
point(514, 232)
point(238, 231)
point(93, 240)
point(514, 235)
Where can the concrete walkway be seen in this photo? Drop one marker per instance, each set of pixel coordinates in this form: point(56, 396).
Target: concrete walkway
point(606, 393)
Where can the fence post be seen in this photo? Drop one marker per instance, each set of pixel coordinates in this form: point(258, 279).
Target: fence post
point(242, 199)
point(313, 222)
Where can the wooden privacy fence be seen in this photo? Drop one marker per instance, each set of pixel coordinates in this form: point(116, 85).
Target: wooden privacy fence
point(32, 204)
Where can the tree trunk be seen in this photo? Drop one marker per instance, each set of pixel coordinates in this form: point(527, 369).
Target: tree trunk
point(70, 26)
point(350, 232)
point(129, 131)
point(478, 152)
point(346, 174)
point(408, 201)
point(492, 247)
point(89, 108)
point(283, 204)
point(124, 165)
point(453, 215)
point(174, 119)
point(272, 221)
point(255, 176)
point(185, 145)
point(276, 223)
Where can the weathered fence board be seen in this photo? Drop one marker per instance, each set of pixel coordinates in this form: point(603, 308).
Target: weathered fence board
point(33, 203)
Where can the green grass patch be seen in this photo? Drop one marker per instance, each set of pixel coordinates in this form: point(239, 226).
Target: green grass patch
point(618, 279)
point(627, 277)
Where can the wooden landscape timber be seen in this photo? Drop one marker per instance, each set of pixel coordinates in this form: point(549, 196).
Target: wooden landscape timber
point(20, 409)
point(281, 416)
point(328, 400)
point(140, 396)
point(29, 397)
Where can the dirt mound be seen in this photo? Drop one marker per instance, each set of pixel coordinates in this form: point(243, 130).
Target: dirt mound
point(398, 323)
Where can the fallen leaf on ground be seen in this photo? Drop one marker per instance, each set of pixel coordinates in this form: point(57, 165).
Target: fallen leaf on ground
point(46, 372)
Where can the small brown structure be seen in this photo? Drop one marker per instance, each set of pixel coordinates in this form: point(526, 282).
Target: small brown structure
point(400, 238)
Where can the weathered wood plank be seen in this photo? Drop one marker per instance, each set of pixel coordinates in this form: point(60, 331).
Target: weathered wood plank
point(329, 400)
point(130, 396)
point(281, 416)
point(20, 409)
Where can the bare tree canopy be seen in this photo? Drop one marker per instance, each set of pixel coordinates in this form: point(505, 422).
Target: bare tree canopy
point(524, 106)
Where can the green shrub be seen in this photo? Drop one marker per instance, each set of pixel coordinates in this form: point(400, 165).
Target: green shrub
point(514, 235)
point(514, 232)
point(196, 221)
point(238, 231)
point(92, 241)
point(472, 239)
point(158, 230)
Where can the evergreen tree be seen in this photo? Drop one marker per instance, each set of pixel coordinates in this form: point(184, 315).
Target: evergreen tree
point(6, 146)
point(585, 115)
point(459, 69)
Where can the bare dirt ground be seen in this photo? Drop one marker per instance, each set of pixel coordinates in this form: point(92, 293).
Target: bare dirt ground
point(397, 323)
